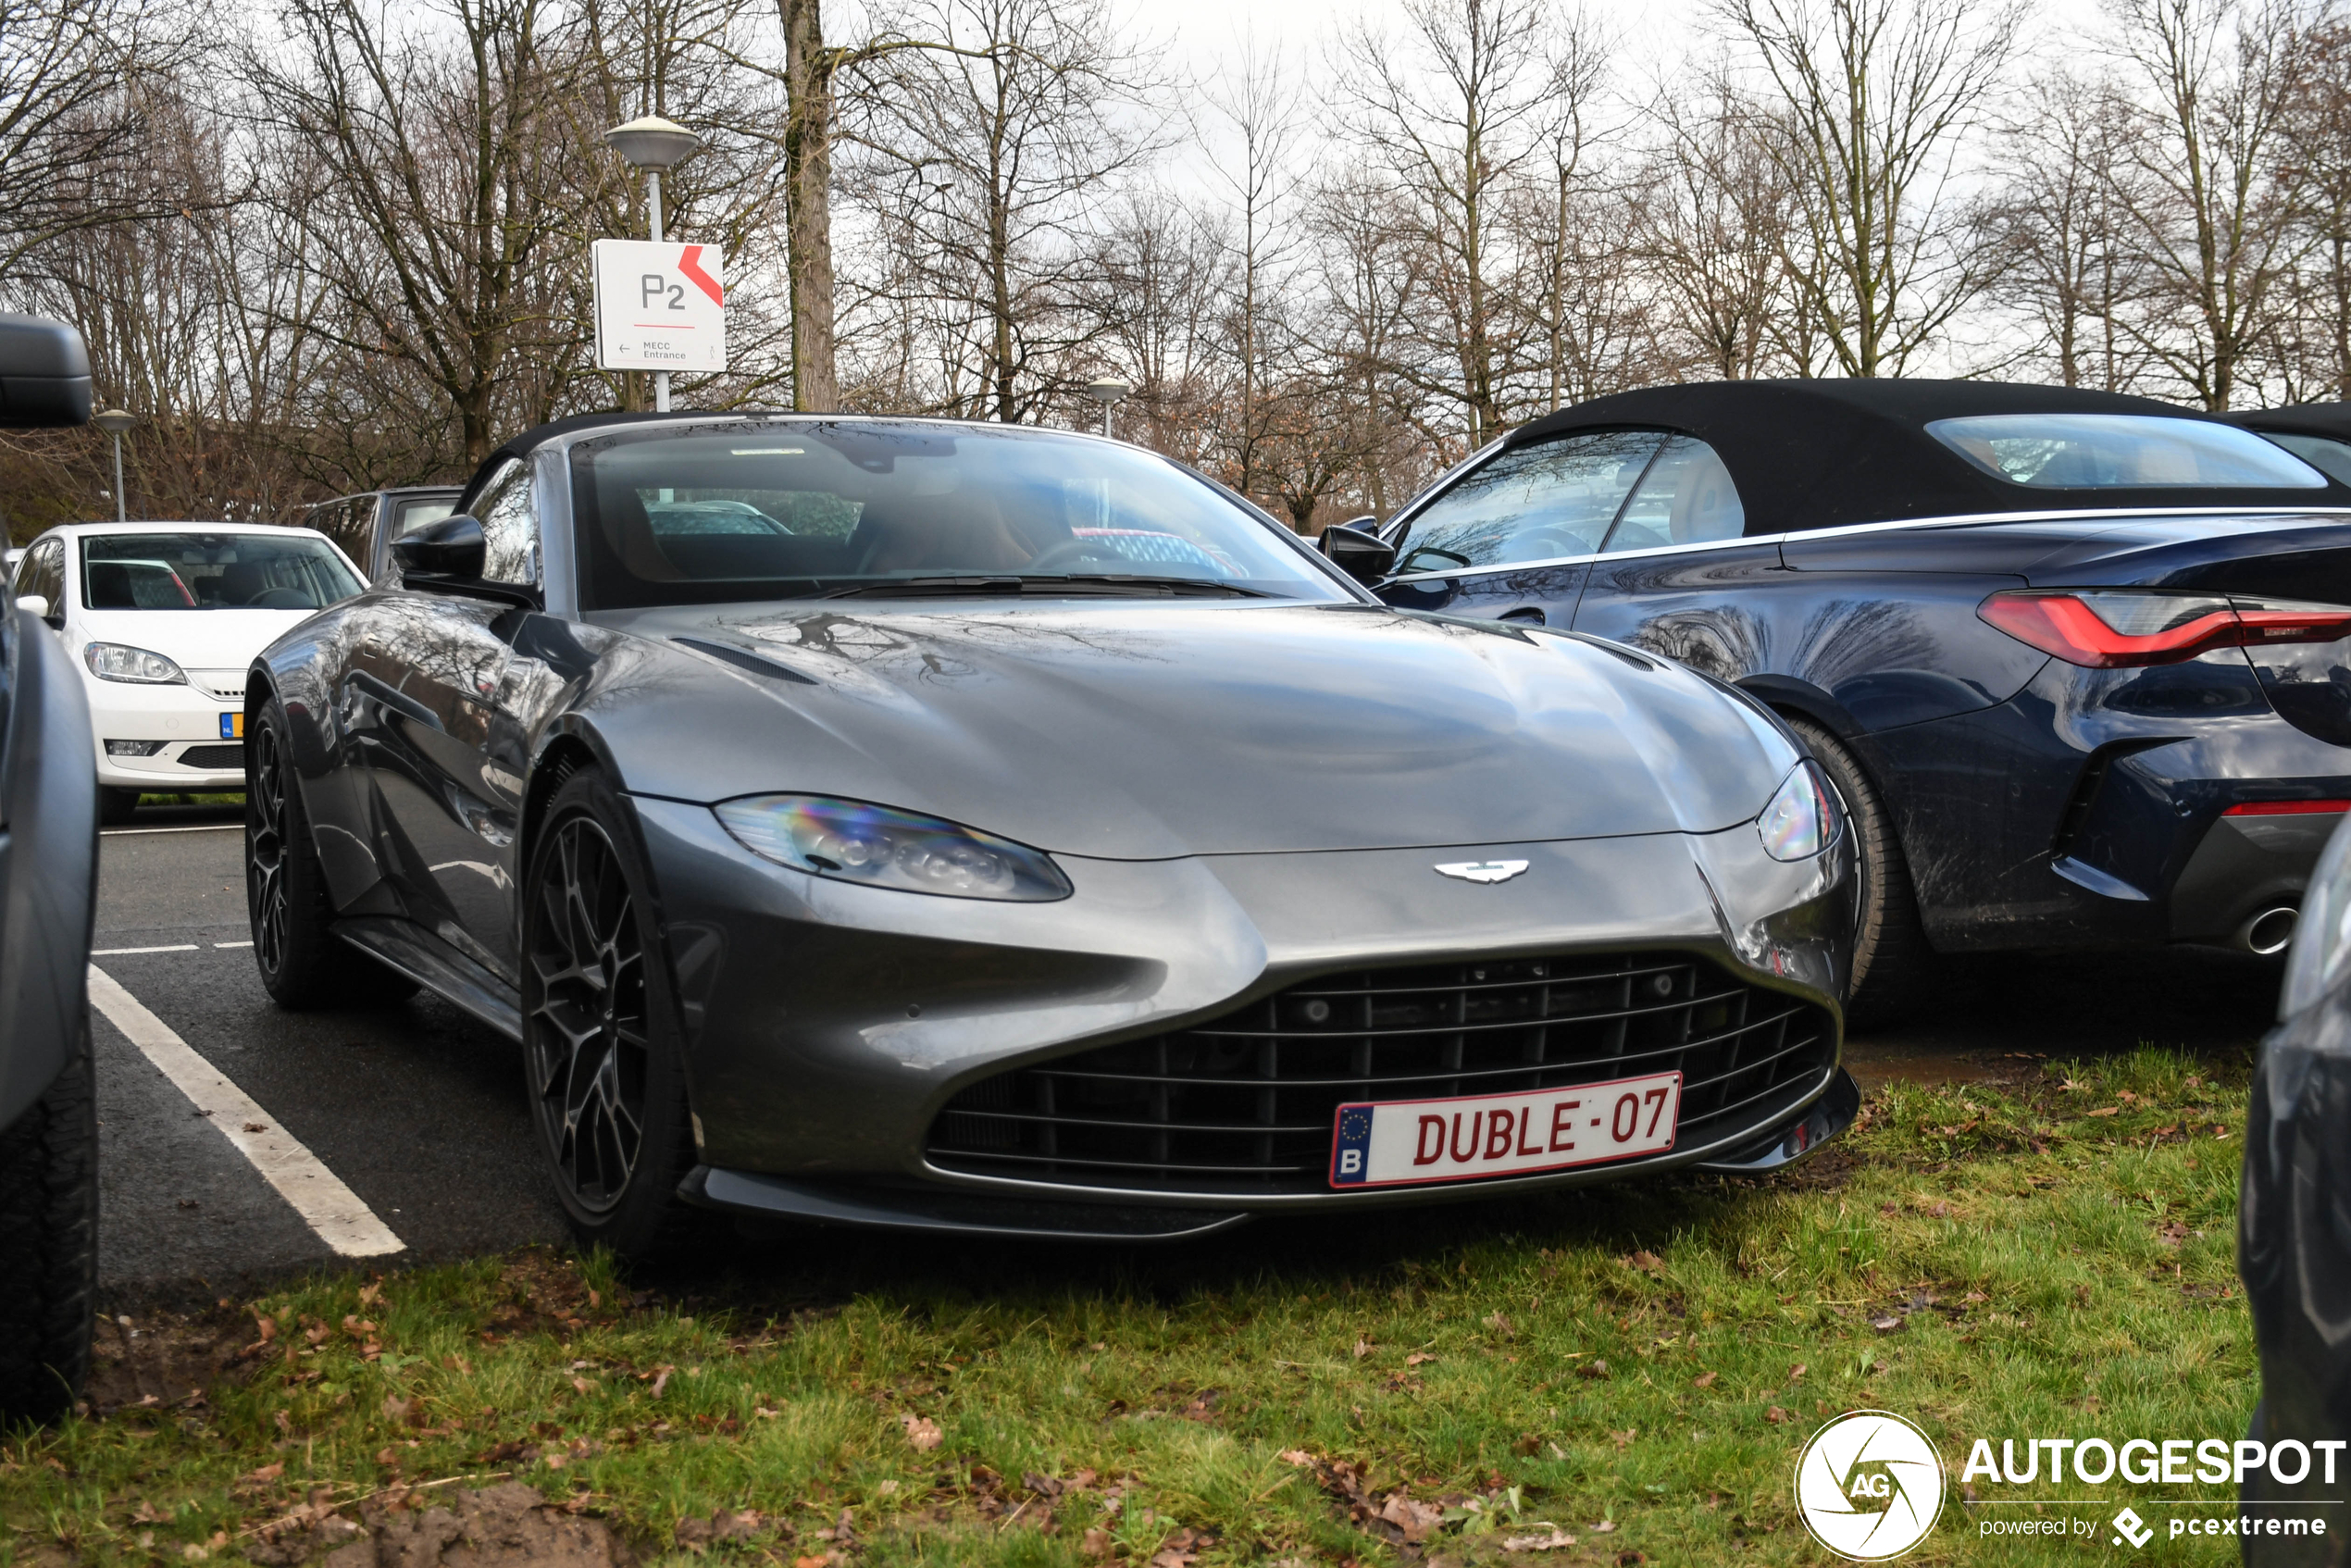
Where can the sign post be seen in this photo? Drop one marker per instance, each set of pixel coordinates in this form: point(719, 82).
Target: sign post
point(659, 307)
point(654, 144)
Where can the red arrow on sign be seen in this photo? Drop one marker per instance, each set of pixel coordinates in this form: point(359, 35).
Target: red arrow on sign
point(690, 264)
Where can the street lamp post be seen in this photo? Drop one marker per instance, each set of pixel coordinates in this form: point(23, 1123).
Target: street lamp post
point(1107, 391)
point(654, 144)
point(118, 424)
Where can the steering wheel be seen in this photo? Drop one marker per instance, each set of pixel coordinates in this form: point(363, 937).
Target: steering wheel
point(1074, 551)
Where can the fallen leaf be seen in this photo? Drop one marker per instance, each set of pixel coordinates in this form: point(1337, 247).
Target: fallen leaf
point(370, 1294)
point(1886, 1323)
point(1705, 1380)
point(583, 1385)
point(661, 1380)
point(1416, 1519)
point(1096, 1543)
point(1648, 1262)
point(1596, 1369)
point(267, 1473)
point(1419, 1358)
point(1551, 1542)
point(1975, 1296)
point(1624, 1439)
point(2107, 1110)
point(1362, 1349)
point(1775, 1415)
point(1501, 1325)
point(1528, 1447)
point(922, 1432)
point(256, 1127)
point(1296, 1456)
point(1799, 1370)
point(1605, 1528)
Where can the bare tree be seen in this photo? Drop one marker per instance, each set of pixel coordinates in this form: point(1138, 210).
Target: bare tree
point(1458, 111)
point(2055, 222)
point(2212, 220)
point(1717, 227)
point(1876, 95)
point(1259, 109)
point(2316, 163)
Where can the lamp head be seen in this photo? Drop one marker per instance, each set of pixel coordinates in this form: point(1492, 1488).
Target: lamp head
point(653, 142)
point(1107, 391)
point(114, 421)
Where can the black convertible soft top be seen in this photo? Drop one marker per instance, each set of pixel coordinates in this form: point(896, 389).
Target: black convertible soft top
point(1816, 454)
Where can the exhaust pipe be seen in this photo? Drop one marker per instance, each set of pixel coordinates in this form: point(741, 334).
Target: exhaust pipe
point(2268, 932)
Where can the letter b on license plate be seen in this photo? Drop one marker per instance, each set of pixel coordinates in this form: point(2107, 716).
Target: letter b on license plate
point(1389, 1142)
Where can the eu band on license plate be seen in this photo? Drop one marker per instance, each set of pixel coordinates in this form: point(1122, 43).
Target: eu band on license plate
point(1389, 1142)
point(233, 727)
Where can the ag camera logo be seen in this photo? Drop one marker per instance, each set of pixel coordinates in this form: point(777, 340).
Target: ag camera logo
point(1869, 1485)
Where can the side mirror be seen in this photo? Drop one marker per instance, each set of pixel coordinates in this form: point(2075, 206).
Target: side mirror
point(35, 605)
point(1359, 554)
point(45, 374)
point(453, 547)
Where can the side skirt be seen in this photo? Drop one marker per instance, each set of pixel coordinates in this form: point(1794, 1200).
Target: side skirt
point(437, 966)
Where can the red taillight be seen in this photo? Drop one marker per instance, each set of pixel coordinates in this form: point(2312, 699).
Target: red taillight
point(2287, 808)
point(2068, 624)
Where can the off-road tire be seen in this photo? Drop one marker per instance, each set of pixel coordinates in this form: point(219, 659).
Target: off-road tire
point(1892, 962)
point(603, 1057)
point(115, 806)
point(49, 1245)
point(304, 965)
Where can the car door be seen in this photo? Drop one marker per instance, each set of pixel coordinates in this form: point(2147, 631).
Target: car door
point(1513, 538)
point(1675, 576)
point(453, 731)
point(43, 571)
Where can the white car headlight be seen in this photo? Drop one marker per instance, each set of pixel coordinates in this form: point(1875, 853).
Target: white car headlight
point(1802, 820)
point(2321, 948)
point(112, 661)
point(853, 841)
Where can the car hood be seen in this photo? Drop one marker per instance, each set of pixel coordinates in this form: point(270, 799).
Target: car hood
point(1158, 729)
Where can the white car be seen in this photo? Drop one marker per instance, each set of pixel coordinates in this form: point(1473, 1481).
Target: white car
point(163, 619)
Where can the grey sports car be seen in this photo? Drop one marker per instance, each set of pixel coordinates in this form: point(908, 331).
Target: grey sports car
point(970, 827)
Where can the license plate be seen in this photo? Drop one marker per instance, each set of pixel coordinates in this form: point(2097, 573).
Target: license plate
point(1391, 1143)
point(233, 727)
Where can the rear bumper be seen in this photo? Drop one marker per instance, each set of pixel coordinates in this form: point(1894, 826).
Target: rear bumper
point(2294, 1254)
point(48, 864)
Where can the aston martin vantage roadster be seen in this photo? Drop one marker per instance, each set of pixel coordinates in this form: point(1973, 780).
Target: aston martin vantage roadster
point(973, 828)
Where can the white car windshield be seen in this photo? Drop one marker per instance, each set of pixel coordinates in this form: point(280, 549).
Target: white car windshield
point(762, 510)
point(212, 571)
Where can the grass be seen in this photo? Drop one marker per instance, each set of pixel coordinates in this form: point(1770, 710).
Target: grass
point(2056, 1259)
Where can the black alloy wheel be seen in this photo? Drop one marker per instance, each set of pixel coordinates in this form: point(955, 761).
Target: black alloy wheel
point(1893, 964)
point(303, 962)
point(606, 1089)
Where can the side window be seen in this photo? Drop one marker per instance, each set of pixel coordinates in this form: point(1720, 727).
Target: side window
point(43, 571)
point(1531, 503)
point(510, 526)
point(1685, 498)
point(346, 522)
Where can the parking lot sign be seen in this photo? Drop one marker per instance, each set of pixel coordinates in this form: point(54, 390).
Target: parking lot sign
point(659, 307)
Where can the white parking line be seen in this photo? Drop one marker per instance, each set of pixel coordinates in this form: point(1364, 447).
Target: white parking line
point(200, 828)
point(318, 1194)
point(120, 952)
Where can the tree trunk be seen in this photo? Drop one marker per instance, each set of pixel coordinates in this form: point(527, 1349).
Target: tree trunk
point(808, 221)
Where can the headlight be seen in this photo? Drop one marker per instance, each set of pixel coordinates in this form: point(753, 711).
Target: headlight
point(853, 841)
point(1801, 821)
point(112, 661)
point(2321, 948)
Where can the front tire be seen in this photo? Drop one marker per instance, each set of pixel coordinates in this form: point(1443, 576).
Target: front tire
point(601, 1049)
point(49, 1245)
point(1892, 962)
point(304, 965)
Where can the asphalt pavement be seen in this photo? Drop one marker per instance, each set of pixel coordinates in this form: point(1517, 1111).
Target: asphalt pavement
point(420, 1113)
point(417, 1108)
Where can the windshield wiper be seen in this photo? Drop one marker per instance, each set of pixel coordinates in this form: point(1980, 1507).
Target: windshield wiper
point(1097, 584)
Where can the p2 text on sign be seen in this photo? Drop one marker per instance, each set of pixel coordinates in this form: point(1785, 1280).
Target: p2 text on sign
point(659, 307)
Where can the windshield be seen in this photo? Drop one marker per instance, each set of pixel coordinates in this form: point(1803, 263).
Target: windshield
point(213, 571)
point(2325, 453)
point(765, 510)
point(2122, 452)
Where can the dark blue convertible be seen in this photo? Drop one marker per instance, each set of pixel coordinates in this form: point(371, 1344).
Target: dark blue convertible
point(2076, 660)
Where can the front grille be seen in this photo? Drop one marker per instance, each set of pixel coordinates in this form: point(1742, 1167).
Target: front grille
point(1244, 1104)
point(213, 756)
